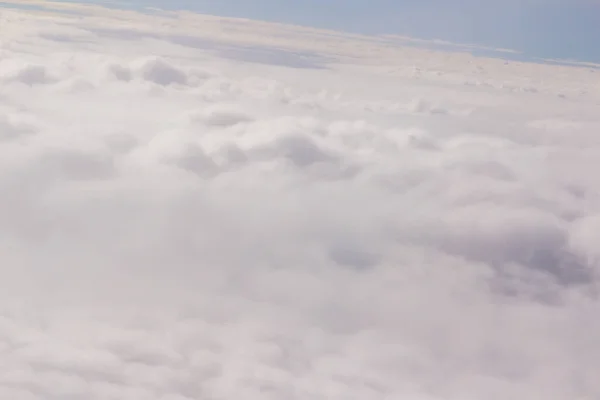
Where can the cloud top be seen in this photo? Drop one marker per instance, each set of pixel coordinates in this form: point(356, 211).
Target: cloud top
point(178, 223)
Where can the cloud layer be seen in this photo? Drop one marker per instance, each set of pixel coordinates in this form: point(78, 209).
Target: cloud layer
point(198, 219)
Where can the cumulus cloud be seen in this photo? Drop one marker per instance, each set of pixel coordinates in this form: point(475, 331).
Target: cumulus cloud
point(27, 74)
point(13, 126)
point(178, 225)
point(220, 116)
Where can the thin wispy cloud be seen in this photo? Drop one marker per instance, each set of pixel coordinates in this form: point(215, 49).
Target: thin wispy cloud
point(538, 28)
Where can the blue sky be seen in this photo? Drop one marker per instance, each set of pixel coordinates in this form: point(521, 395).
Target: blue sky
point(568, 29)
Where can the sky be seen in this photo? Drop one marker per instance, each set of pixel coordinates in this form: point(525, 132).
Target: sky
point(197, 207)
point(565, 29)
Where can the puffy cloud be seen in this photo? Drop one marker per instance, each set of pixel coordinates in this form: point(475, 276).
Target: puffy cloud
point(179, 225)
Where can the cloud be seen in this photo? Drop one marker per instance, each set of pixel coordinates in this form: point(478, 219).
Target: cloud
point(13, 127)
point(220, 116)
point(28, 74)
point(177, 224)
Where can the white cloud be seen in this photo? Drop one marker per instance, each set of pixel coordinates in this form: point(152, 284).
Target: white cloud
point(177, 224)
